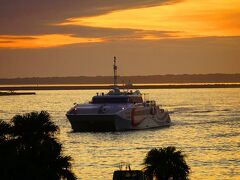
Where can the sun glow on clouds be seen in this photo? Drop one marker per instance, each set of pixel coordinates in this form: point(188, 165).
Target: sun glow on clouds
point(190, 18)
point(42, 41)
point(183, 19)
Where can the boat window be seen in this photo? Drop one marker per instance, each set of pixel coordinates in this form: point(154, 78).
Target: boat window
point(135, 99)
point(117, 99)
point(106, 99)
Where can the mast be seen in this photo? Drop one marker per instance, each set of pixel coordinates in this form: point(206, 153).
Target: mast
point(115, 72)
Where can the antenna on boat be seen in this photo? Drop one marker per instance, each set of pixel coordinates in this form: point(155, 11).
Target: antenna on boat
point(115, 72)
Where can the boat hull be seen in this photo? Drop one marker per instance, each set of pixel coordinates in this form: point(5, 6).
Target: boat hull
point(113, 122)
point(98, 123)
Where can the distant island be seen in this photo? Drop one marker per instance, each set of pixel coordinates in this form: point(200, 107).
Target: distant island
point(151, 79)
point(133, 82)
point(12, 93)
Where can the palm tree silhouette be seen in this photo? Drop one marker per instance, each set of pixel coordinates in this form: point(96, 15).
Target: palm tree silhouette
point(166, 163)
point(36, 153)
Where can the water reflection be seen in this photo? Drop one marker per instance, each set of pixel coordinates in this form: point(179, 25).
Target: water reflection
point(205, 127)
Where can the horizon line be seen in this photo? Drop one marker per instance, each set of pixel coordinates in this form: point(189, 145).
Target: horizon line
point(91, 76)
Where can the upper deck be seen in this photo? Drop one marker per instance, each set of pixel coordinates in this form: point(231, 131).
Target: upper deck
point(116, 96)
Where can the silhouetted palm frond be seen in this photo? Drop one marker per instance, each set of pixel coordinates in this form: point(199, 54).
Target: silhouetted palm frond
point(165, 163)
point(32, 151)
point(5, 129)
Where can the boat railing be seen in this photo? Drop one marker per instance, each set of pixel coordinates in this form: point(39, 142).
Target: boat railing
point(150, 103)
point(128, 173)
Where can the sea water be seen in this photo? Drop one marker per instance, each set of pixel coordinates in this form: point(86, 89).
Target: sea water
point(205, 126)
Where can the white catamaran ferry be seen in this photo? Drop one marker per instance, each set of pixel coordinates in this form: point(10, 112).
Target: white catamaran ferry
point(117, 111)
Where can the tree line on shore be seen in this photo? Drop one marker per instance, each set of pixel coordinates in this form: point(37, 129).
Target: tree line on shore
point(29, 150)
point(168, 78)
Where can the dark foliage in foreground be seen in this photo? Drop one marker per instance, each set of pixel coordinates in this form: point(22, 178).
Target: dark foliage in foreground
point(166, 163)
point(30, 151)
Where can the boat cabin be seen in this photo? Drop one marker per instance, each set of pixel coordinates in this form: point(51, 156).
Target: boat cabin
point(117, 99)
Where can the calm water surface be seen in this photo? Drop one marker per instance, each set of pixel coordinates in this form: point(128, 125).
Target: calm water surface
point(205, 126)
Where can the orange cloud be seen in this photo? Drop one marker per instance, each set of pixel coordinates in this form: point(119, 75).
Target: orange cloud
point(43, 41)
point(190, 17)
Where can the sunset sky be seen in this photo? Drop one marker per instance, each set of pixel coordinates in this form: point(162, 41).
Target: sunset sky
point(73, 38)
